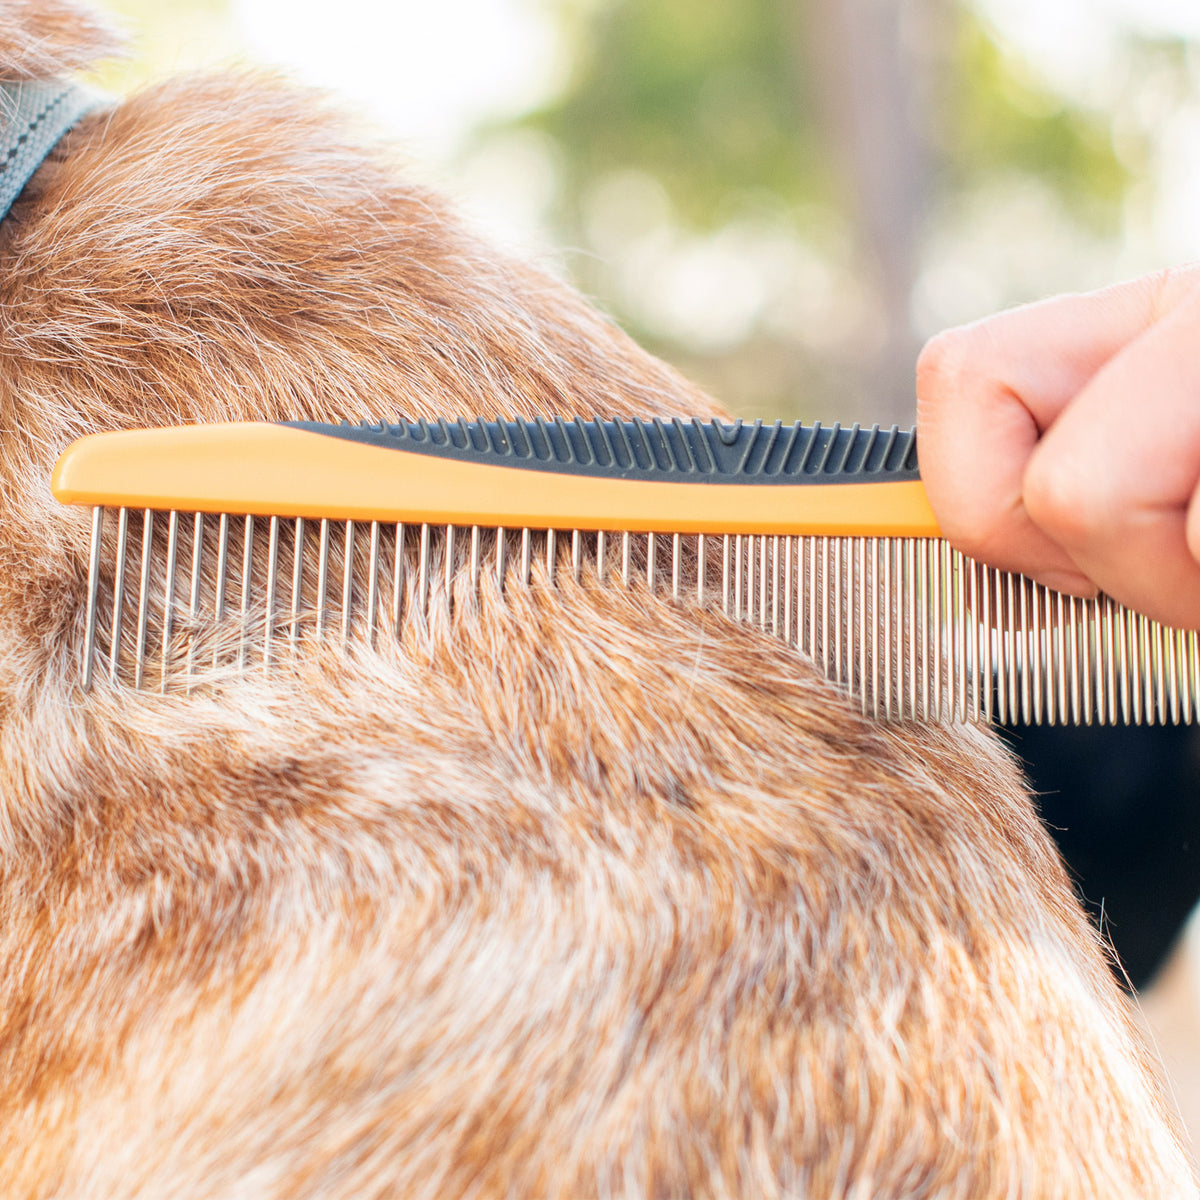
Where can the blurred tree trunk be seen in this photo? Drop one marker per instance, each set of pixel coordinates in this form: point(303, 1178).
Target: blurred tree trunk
point(868, 63)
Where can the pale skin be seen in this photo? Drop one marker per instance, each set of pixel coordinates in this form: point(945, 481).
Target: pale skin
point(1062, 440)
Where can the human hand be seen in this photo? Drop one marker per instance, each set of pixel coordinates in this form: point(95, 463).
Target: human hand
point(1062, 440)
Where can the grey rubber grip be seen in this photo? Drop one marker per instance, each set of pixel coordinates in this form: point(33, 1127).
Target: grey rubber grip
point(680, 451)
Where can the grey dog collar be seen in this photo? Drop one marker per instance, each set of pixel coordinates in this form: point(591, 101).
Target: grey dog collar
point(34, 114)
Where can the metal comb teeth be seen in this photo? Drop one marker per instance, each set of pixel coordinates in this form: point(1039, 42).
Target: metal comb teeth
point(909, 625)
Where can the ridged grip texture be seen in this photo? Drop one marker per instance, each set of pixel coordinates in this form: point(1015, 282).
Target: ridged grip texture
point(657, 450)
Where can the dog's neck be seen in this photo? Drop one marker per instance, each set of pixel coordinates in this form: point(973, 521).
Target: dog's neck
point(34, 115)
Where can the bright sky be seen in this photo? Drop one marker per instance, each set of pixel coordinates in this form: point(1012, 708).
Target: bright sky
point(427, 69)
point(430, 68)
point(1070, 42)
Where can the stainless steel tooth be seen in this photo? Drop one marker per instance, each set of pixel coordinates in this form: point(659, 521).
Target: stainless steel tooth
point(802, 593)
point(1073, 656)
point(954, 663)
point(1087, 630)
point(322, 576)
point(763, 582)
point(194, 594)
point(576, 554)
point(850, 585)
point(1153, 664)
point(1026, 665)
point(1150, 673)
point(701, 568)
point(1192, 673)
point(477, 560)
point(423, 573)
point(1035, 650)
point(997, 685)
point(813, 598)
point(860, 618)
point(824, 589)
point(551, 554)
point(219, 583)
point(297, 582)
point(501, 549)
point(1060, 668)
point(1176, 643)
point(1137, 665)
point(601, 538)
point(272, 580)
point(984, 620)
point(928, 631)
point(1049, 676)
point(937, 551)
point(725, 547)
point(114, 649)
point(651, 565)
point(247, 581)
point(448, 567)
point(924, 604)
point(1160, 682)
point(143, 598)
point(873, 593)
point(906, 619)
point(748, 577)
point(676, 564)
point(888, 627)
point(789, 546)
point(626, 554)
point(839, 672)
point(1123, 663)
point(775, 567)
point(910, 626)
point(398, 575)
point(975, 641)
point(1146, 674)
point(1172, 672)
point(738, 567)
point(1010, 637)
point(1181, 676)
point(960, 635)
point(373, 582)
point(93, 597)
point(1110, 665)
point(168, 609)
point(347, 581)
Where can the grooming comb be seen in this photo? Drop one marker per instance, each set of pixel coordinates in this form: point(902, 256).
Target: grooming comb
point(821, 536)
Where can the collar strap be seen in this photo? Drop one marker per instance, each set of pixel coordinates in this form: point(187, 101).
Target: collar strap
point(34, 114)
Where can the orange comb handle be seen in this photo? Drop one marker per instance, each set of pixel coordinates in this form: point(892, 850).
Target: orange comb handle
point(641, 476)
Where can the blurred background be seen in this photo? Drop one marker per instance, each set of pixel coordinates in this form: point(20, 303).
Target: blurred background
point(785, 198)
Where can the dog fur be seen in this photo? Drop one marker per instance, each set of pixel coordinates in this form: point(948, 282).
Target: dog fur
point(576, 893)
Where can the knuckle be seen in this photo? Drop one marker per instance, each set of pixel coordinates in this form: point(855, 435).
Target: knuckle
point(942, 364)
point(1061, 501)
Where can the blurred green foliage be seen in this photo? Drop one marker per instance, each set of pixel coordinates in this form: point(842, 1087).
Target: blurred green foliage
point(711, 97)
point(998, 117)
point(701, 94)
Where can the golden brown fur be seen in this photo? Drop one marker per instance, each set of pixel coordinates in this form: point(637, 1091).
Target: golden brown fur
point(577, 893)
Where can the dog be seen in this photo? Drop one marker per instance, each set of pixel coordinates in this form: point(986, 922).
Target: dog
point(577, 893)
